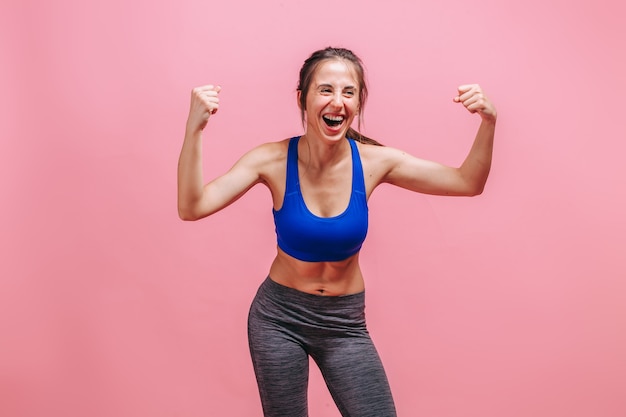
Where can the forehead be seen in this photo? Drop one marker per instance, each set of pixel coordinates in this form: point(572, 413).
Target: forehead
point(334, 71)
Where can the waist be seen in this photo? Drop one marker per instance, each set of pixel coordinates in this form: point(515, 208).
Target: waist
point(302, 314)
point(319, 278)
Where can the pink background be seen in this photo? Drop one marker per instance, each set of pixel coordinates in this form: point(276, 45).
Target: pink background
point(509, 304)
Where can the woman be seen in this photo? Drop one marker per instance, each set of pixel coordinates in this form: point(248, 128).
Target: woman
point(312, 302)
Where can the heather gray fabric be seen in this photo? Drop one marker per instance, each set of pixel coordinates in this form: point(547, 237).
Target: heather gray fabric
point(285, 326)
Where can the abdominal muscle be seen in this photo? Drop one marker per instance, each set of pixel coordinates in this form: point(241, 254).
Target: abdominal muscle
point(319, 278)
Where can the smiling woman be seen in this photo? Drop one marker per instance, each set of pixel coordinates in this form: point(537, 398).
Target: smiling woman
point(356, 88)
point(312, 302)
point(331, 102)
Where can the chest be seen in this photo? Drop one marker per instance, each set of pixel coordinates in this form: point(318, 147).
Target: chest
point(326, 193)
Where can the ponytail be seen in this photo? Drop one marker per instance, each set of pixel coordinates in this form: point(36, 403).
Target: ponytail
point(353, 134)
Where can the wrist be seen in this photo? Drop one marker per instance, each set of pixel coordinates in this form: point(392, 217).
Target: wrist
point(193, 128)
point(489, 118)
point(193, 133)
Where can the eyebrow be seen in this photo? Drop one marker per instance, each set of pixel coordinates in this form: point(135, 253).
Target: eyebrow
point(348, 87)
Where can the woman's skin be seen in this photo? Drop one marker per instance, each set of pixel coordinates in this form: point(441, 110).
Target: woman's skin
point(325, 164)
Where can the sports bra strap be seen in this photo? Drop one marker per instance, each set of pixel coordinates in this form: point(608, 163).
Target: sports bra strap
point(292, 166)
point(358, 179)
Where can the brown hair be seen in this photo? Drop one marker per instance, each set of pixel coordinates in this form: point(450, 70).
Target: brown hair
point(306, 77)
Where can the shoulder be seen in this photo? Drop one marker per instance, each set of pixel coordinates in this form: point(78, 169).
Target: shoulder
point(267, 152)
point(267, 160)
point(380, 155)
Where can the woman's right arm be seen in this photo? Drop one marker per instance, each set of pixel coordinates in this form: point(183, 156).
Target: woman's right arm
point(196, 199)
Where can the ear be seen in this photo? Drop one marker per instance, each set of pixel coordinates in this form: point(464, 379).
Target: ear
point(298, 97)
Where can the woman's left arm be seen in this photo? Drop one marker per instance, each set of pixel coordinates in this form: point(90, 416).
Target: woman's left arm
point(431, 177)
point(475, 168)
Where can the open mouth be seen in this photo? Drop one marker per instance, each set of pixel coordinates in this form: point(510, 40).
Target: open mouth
point(333, 121)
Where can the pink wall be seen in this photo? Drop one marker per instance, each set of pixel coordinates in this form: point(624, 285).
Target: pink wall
point(511, 303)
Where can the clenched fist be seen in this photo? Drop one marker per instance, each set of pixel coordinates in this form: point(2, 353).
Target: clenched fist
point(475, 100)
point(204, 102)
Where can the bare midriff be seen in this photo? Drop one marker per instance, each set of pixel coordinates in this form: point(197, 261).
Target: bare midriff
point(320, 278)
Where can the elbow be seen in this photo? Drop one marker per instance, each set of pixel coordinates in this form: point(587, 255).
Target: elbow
point(476, 190)
point(193, 210)
point(475, 186)
point(189, 209)
point(187, 215)
point(471, 189)
point(186, 218)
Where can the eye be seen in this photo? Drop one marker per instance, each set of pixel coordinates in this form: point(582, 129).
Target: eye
point(349, 93)
point(326, 90)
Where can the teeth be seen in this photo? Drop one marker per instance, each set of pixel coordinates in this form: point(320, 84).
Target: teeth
point(334, 118)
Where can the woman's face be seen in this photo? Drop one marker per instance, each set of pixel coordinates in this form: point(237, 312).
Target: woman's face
point(332, 100)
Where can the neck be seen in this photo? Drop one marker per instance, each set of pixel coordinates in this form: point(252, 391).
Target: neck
point(317, 153)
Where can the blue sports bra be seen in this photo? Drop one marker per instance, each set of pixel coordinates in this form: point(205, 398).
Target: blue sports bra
point(311, 238)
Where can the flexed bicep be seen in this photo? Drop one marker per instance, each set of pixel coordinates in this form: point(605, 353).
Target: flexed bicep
point(228, 188)
point(223, 190)
point(424, 176)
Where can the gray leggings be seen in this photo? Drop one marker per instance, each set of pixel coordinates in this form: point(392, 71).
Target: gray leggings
point(285, 326)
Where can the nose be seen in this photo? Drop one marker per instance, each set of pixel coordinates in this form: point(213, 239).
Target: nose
point(337, 99)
